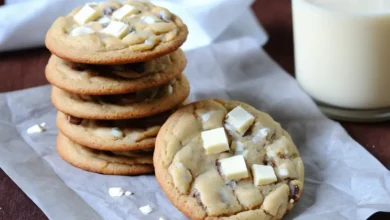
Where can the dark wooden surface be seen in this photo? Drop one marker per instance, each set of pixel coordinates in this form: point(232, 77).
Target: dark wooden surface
point(24, 69)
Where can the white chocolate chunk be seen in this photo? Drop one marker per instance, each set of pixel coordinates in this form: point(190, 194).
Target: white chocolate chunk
point(206, 116)
point(146, 209)
point(115, 192)
point(283, 172)
point(81, 31)
point(150, 42)
point(170, 89)
point(85, 15)
point(148, 19)
point(116, 28)
point(104, 20)
point(128, 193)
point(263, 175)
point(261, 134)
point(165, 15)
point(215, 141)
point(35, 129)
point(116, 132)
point(240, 119)
point(238, 147)
point(124, 11)
point(234, 168)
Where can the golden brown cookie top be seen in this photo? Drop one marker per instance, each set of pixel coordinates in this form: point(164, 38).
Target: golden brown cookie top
point(218, 158)
point(116, 32)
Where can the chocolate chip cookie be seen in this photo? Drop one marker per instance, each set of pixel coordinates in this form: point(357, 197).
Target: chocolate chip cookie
point(116, 32)
point(116, 79)
point(104, 162)
point(139, 104)
point(218, 159)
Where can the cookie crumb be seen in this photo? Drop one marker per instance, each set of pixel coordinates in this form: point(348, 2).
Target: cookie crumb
point(38, 128)
point(146, 209)
point(116, 192)
point(128, 193)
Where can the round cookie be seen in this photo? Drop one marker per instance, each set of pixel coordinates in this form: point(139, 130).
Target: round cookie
point(118, 79)
point(218, 183)
point(116, 135)
point(116, 33)
point(114, 107)
point(101, 161)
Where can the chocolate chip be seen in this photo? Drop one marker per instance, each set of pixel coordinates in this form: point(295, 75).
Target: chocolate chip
point(108, 10)
point(294, 192)
point(74, 120)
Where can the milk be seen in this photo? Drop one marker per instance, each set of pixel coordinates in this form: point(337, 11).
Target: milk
point(342, 51)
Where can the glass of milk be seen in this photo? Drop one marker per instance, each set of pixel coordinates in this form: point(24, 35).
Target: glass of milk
point(342, 56)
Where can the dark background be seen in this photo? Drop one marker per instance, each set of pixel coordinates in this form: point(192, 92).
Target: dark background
point(25, 68)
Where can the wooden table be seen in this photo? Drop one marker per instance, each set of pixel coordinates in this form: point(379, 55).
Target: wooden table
point(24, 69)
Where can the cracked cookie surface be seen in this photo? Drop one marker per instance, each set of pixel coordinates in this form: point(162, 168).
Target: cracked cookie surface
point(117, 79)
point(104, 162)
point(116, 32)
point(126, 106)
point(197, 184)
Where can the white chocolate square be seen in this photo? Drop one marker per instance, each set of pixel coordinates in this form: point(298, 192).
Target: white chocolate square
point(234, 168)
point(85, 15)
point(115, 192)
point(78, 31)
point(117, 29)
point(124, 11)
point(148, 19)
point(36, 129)
point(146, 209)
point(239, 119)
point(263, 175)
point(215, 141)
point(104, 20)
point(238, 147)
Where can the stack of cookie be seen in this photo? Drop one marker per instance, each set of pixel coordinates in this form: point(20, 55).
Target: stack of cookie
point(116, 71)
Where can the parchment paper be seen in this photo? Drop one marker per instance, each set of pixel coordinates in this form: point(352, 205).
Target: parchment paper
point(343, 181)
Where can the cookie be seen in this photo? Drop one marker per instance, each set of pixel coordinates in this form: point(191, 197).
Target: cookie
point(103, 162)
point(116, 33)
point(114, 107)
point(117, 79)
point(218, 159)
point(114, 135)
